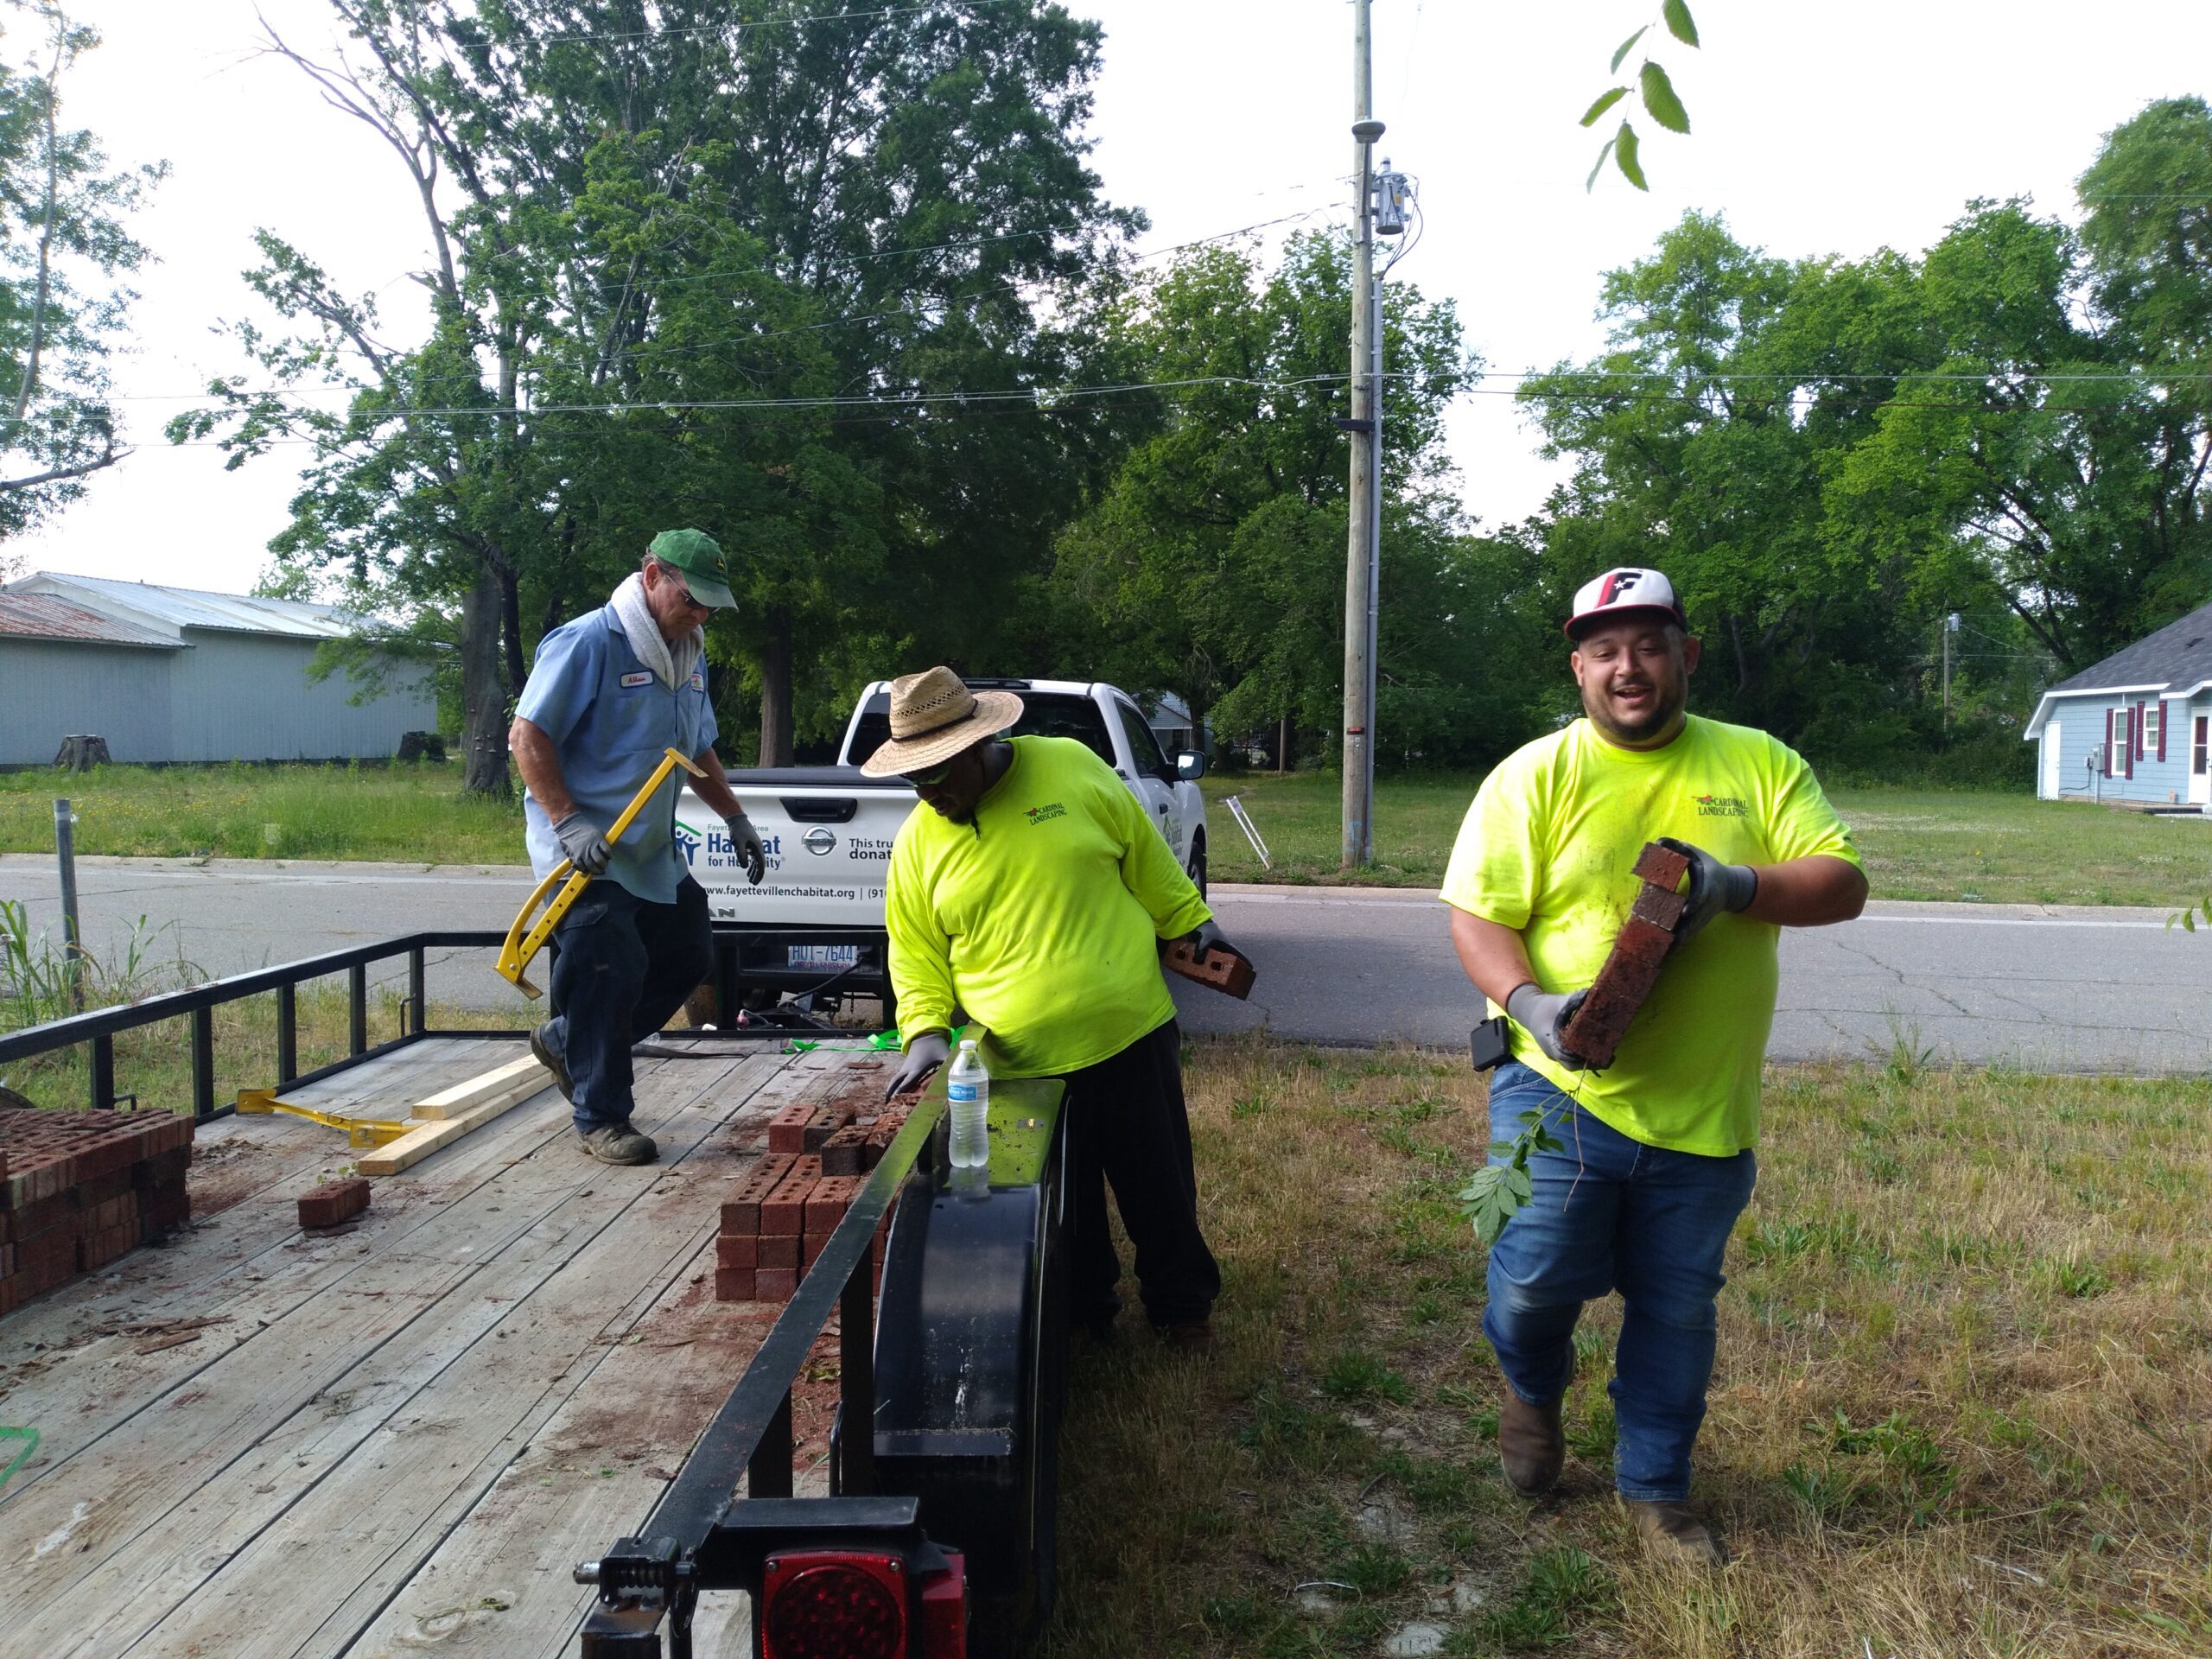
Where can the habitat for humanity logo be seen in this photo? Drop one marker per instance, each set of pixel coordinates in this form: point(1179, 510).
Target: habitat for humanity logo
point(1718, 806)
point(1044, 814)
point(687, 842)
point(720, 853)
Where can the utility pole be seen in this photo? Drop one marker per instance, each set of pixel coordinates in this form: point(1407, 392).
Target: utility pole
point(1366, 439)
point(1950, 627)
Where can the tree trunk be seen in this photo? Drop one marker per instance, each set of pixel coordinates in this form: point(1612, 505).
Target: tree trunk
point(511, 627)
point(483, 698)
point(776, 691)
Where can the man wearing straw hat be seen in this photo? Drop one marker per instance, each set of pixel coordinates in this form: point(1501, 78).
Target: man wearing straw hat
point(1030, 889)
point(607, 695)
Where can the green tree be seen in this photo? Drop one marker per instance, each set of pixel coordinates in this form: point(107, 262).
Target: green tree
point(64, 257)
point(731, 265)
point(1215, 560)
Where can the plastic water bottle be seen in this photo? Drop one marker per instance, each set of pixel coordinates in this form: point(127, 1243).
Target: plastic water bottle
point(968, 1087)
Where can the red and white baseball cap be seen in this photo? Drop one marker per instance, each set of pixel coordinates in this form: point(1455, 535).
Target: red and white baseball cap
point(1624, 593)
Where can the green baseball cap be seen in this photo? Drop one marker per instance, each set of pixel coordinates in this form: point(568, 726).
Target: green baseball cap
point(699, 556)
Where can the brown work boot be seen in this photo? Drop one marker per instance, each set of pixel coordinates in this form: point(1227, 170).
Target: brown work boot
point(1531, 1444)
point(1672, 1533)
point(618, 1143)
point(1187, 1336)
point(542, 1051)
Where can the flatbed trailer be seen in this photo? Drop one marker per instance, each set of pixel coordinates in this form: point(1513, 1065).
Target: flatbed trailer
point(426, 1431)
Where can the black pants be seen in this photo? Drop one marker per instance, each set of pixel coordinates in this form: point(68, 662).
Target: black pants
point(1127, 1124)
point(624, 965)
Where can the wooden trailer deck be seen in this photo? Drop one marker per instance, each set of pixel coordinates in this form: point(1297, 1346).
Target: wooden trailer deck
point(396, 1439)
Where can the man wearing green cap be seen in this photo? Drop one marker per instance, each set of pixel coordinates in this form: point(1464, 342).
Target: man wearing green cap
point(608, 693)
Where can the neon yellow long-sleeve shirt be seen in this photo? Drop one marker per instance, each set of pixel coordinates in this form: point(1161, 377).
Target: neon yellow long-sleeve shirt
point(1039, 918)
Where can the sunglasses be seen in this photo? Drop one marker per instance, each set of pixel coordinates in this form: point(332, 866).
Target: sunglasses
point(928, 780)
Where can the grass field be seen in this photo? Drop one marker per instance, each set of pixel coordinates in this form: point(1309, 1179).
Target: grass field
point(1963, 1403)
point(1918, 843)
point(410, 814)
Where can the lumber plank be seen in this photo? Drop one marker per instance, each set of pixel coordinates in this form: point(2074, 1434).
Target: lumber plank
point(393, 1492)
point(463, 1096)
point(415, 1145)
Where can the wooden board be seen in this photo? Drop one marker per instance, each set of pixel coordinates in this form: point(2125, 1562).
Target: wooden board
point(414, 1146)
point(463, 1097)
point(394, 1415)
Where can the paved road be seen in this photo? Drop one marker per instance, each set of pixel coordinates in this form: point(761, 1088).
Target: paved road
point(2052, 989)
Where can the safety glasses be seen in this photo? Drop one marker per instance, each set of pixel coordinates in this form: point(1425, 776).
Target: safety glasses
point(932, 779)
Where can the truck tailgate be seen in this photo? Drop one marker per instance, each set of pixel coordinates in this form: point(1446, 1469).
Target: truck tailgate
point(829, 832)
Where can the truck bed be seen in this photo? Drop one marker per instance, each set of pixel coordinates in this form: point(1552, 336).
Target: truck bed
point(399, 1438)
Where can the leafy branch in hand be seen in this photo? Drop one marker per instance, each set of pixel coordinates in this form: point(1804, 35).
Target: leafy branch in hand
point(1657, 91)
point(1498, 1190)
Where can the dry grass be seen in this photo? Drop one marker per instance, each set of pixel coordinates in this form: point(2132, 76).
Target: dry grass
point(1963, 1404)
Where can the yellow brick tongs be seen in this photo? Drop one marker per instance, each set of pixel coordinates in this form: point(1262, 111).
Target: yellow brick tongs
point(523, 939)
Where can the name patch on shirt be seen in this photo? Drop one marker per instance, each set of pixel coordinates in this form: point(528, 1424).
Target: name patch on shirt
point(698, 681)
point(1038, 814)
point(644, 677)
point(1718, 806)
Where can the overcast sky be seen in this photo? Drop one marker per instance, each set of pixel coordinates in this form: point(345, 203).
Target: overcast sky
point(1818, 130)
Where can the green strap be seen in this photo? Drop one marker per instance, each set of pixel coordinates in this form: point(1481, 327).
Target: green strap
point(29, 1437)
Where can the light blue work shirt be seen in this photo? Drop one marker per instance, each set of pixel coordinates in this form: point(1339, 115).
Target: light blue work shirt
point(611, 718)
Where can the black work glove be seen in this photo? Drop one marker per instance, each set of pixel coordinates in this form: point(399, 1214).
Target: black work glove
point(924, 1055)
point(1207, 935)
point(1543, 1015)
point(584, 843)
point(1714, 887)
point(745, 841)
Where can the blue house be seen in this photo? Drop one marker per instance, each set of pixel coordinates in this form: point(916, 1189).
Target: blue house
point(2133, 727)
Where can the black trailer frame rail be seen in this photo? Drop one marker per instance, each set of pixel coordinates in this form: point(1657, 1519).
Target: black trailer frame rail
point(702, 1535)
point(100, 1027)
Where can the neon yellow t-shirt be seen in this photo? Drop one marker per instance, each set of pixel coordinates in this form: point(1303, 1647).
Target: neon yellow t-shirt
point(1041, 918)
point(1548, 849)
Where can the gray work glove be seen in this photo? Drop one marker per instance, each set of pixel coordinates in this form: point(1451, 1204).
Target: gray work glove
point(746, 842)
point(584, 843)
point(1207, 935)
point(1714, 887)
point(924, 1055)
point(1543, 1015)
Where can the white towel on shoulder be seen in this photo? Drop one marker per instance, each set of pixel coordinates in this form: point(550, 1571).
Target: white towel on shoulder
point(670, 662)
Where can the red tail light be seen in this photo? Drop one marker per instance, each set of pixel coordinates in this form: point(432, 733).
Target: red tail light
point(823, 1603)
point(944, 1610)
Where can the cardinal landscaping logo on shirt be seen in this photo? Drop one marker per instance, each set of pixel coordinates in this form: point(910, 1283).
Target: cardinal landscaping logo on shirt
point(1038, 814)
point(1718, 806)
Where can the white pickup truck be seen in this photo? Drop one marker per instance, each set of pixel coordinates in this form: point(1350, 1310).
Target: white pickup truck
point(816, 921)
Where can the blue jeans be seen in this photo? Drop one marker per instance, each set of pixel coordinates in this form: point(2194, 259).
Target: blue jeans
point(1608, 1213)
point(622, 967)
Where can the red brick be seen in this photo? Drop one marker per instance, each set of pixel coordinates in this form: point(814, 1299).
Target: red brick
point(780, 1250)
point(843, 1152)
point(1220, 970)
point(810, 1252)
point(774, 1285)
point(333, 1202)
point(827, 1204)
point(735, 1250)
point(1631, 968)
point(733, 1284)
point(784, 1209)
point(741, 1209)
point(787, 1129)
point(825, 1124)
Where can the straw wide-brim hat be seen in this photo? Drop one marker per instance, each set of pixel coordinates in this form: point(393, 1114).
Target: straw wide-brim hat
point(933, 717)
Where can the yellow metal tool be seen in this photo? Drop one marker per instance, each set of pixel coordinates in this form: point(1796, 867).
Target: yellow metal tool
point(523, 939)
point(359, 1131)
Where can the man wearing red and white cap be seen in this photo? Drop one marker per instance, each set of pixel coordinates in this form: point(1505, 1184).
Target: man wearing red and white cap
point(1656, 1158)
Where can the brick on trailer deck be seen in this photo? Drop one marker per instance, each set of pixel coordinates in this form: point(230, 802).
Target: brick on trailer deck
point(333, 1203)
point(737, 1251)
point(780, 1250)
point(826, 1205)
point(733, 1284)
point(843, 1152)
point(787, 1129)
point(741, 1209)
point(774, 1284)
point(784, 1211)
point(825, 1124)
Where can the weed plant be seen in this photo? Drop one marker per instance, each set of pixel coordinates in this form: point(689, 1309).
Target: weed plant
point(1961, 1406)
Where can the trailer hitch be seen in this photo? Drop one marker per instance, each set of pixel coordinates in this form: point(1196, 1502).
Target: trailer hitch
point(641, 1581)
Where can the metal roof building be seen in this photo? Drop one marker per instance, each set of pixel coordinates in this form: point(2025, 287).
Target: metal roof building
point(174, 674)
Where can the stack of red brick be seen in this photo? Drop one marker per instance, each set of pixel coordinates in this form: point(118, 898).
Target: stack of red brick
point(77, 1189)
point(775, 1221)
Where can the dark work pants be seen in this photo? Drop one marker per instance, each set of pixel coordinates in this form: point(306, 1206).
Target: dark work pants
point(1127, 1124)
point(623, 967)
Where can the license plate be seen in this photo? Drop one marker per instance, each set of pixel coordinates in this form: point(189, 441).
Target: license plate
point(823, 956)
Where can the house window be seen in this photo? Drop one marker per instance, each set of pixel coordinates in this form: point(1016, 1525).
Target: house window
point(2197, 747)
point(2153, 717)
